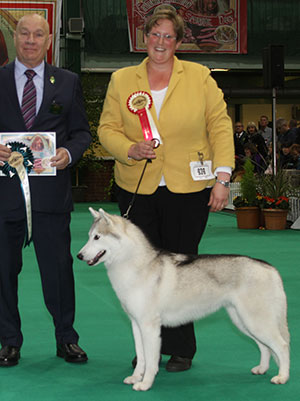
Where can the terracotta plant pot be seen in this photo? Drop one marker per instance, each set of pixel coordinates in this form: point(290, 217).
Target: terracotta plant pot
point(275, 219)
point(248, 217)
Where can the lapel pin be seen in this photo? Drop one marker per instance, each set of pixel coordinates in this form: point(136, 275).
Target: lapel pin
point(52, 79)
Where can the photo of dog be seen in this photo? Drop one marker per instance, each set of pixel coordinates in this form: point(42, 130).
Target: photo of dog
point(157, 288)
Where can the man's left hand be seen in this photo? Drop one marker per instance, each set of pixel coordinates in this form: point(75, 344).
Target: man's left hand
point(61, 160)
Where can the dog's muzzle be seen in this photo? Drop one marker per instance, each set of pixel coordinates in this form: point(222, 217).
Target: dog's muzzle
point(93, 261)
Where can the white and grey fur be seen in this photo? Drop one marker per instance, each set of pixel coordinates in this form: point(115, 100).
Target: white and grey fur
point(159, 288)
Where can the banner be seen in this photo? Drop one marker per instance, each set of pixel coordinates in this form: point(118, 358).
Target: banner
point(12, 11)
point(211, 26)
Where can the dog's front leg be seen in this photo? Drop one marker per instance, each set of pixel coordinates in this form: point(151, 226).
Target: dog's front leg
point(139, 370)
point(150, 332)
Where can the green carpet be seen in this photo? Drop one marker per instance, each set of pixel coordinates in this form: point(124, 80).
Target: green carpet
point(221, 367)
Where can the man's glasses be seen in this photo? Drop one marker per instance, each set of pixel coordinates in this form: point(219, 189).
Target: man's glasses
point(157, 36)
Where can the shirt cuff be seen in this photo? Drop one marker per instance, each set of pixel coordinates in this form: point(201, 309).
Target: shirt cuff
point(227, 170)
point(69, 154)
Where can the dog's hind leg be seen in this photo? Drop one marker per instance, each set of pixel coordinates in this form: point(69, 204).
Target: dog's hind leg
point(265, 353)
point(273, 343)
point(270, 333)
point(139, 370)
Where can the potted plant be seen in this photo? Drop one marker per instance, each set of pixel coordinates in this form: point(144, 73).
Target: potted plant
point(247, 204)
point(274, 192)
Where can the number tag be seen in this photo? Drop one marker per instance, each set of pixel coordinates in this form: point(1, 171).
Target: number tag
point(201, 170)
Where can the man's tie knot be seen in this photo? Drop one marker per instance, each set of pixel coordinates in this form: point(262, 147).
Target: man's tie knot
point(30, 74)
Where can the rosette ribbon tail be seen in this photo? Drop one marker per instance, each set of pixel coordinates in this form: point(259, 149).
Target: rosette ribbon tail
point(20, 163)
point(27, 198)
point(153, 127)
point(144, 120)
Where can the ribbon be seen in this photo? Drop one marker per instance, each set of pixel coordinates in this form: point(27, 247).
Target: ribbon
point(21, 162)
point(139, 103)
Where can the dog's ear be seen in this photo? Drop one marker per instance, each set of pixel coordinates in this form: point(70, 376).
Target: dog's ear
point(103, 215)
point(94, 213)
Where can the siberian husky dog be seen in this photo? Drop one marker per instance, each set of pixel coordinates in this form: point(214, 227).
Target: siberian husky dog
point(159, 288)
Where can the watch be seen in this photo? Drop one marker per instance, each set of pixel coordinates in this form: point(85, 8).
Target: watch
point(225, 183)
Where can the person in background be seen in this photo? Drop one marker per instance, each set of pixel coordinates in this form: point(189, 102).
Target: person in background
point(190, 171)
point(241, 137)
point(287, 133)
point(256, 139)
point(286, 159)
point(265, 130)
point(293, 132)
point(252, 153)
point(51, 197)
point(295, 152)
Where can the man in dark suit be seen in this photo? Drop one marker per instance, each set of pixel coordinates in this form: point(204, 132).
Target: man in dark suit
point(241, 137)
point(59, 108)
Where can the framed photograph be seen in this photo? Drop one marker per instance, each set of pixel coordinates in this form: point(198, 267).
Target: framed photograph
point(42, 145)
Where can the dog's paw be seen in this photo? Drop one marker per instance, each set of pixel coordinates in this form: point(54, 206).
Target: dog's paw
point(132, 379)
point(280, 379)
point(142, 386)
point(259, 370)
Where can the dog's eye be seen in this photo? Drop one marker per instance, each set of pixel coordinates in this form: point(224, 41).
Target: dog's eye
point(96, 236)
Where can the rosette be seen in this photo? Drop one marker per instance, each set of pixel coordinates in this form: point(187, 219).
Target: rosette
point(21, 162)
point(140, 103)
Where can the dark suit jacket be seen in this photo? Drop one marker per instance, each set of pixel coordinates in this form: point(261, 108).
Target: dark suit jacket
point(48, 194)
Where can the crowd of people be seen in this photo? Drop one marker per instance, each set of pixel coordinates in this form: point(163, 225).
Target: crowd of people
point(256, 142)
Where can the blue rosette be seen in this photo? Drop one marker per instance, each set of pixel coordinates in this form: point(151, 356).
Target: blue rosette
point(28, 158)
point(21, 163)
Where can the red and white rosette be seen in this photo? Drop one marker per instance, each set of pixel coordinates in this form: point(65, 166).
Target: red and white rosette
point(140, 103)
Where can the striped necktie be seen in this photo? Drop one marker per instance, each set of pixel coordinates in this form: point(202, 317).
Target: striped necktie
point(28, 107)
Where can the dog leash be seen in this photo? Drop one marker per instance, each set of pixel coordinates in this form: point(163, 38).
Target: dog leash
point(126, 215)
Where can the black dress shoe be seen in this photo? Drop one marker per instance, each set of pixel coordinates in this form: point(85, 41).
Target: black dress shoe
point(71, 353)
point(178, 364)
point(9, 355)
point(134, 361)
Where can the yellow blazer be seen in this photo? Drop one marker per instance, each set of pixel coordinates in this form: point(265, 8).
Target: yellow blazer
point(193, 118)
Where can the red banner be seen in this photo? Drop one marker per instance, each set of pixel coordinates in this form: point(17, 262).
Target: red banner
point(12, 11)
point(211, 26)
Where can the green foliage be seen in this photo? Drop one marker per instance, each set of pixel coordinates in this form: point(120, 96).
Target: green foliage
point(248, 183)
point(94, 90)
point(275, 190)
point(248, 187)
point(274, 185)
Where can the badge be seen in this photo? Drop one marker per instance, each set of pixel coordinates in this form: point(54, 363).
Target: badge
point(201, 170)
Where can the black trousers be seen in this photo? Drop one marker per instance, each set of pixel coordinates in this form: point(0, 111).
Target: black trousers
point(51, 241)
point(173, 222)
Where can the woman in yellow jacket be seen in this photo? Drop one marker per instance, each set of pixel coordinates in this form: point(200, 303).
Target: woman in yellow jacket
point(189, 172)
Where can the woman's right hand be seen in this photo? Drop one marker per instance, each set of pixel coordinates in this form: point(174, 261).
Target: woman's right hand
point(142, 150)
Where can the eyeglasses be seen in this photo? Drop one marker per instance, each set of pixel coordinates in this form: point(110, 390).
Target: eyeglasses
point(156, 35)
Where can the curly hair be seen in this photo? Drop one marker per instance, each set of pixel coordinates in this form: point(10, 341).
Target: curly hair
point(169, 13)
